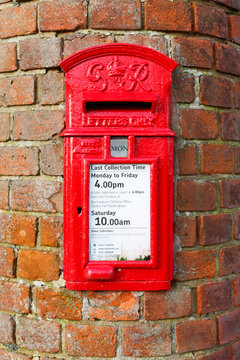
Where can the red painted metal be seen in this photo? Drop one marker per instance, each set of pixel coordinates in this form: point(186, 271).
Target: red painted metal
point(117, 90)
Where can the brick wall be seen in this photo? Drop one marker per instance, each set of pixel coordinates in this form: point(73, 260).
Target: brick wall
point(200, 317)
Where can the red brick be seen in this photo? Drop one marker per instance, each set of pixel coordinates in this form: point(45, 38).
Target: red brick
point(185, 230)
point(38, 265)
point(107, 14)
point(51, 231)
point(38, 335)
point(196, 264)
point(214, 229)
point(58, 303)
point(86, 340)
point(236, 291)
point(227, 59)
point(237, 95)
point(174, 303)
point(76, 42)
point(153, 41)
point(4, 127)
point(209, 20)
point(4, 194)
point(234, 28)
point(235, 351)
point(228, 326)
point(195, 335)
point(196, 196)
point(199, 124)
point(8, 59)
point(54, 15)
point(18, 229)
point(193, 52)
point(214, 297)
point(147, 340)
point(168, 15)
point(229, 260)
point(230, 193)
point(37, 125)
point(187, 160)
point(52, 159)
point(237, 160)
point(5, 355)
point(37, 196)
point(40, 53)
point(183, 87)
point(216, 91)
point(51, 89)
point(216, 159)
point(19, 161)
point(237, 226)
point(230, 126)
point(222, 354)
point(230, 3)
point(113, 306)
point(18, 20)
point(6, 262)
point(14, 297)
point(18, 90)
point(7, 327)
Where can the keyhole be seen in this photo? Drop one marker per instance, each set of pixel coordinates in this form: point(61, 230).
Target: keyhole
point(79, 210)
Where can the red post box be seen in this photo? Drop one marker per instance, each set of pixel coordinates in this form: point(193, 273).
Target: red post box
point(118, 179)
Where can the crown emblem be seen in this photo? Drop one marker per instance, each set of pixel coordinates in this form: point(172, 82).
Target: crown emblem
point(116, 68)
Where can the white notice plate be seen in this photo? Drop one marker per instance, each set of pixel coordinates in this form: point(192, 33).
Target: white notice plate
point(119, 212)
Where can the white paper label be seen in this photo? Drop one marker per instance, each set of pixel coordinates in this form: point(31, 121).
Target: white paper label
point(119, 212)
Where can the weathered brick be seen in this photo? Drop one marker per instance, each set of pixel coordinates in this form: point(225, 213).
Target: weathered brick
point(236, 291)
point(230, 193)
point(214, 229)
point(4, 127)
point(235, 351)
point(227, 59)
point(37, 125)
point(214, 297)
point(196, 264)
point(51, 89)
point(196, 196)
point(230, 3)
point(6, 262)
point(229, 260)
point(4, 191)
point(7, 327)
point(199, 124)
point(168, 15)
point(237, 226)
point(147, 340)
point(153, 41)
point(38, 335)
point(107, 14)
point(183, 87)
point(18, 90)
point(19, 160)
point(37, 196)
point(87, 340)
point(216, 91)
point(8, 59)
point(222, 354)
point(18, 20)
point(14, 297)
point(228, 326)
point(237, 160)
point(230, 126)
point(51, 231)
point(57, 303)
point(54, 15)
point(237, 95)
point(6, 355)
point(216, 159)
point(187, 160)
point(52, 159)
point(113, 306)
point(38, 265)
point(195, 335)
point(193, 52)
point(209, 20)
point(234, 28)
point(40, 53)
point(76, 42)
point(174, 303)
point(18, 229)
point(185, 230)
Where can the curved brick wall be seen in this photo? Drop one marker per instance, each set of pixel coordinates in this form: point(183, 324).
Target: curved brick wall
point(200, 317)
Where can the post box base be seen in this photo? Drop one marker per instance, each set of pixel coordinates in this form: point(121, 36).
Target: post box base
point(125, 285)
